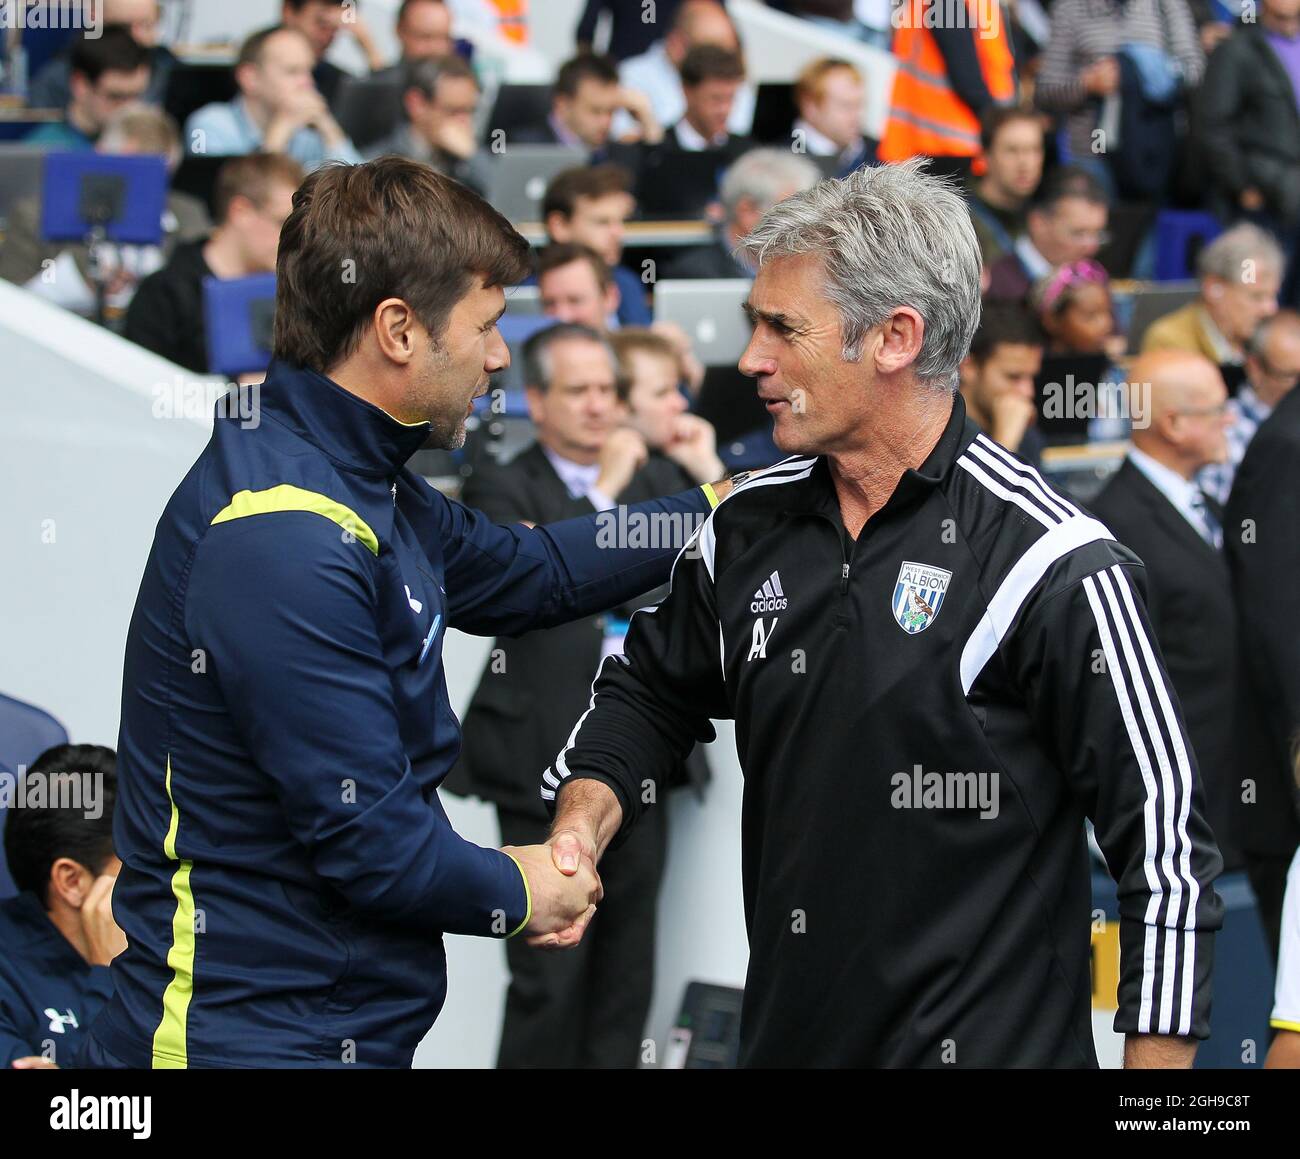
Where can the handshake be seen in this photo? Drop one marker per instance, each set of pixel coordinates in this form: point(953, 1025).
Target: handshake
point(564, 886)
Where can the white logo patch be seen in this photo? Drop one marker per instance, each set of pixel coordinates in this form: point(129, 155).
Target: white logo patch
point(770, 597)
point(918, 596)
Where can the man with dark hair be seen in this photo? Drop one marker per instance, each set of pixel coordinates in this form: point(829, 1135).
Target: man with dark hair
point(576, 285)
point(278, 110)
point(1011, 141)
point(1066, 222)
point(997, 378)
point(282, 741)
point(51, 87)
point(251, 199)
point(320, 21)
point(424, 30)
point(438, 105)
point(106, 73)
point(586, 1008)
point(584, 100)
point(57, 935)
point(590, 205)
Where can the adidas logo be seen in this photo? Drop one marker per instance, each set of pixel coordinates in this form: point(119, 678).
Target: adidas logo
point(770, 597)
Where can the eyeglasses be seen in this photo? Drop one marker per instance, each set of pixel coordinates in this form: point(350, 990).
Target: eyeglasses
point(1288, 377)
point(1204, 411)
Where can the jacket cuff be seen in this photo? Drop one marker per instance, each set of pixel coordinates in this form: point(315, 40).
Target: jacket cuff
point(527, 902)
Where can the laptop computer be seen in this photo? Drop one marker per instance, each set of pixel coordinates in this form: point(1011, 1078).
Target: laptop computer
point(520, 175)
point(709, 310)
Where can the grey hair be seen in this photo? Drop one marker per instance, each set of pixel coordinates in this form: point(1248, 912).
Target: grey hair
point(1225, 257)
point(764, 176)
point(538, 367)
point(888, 236)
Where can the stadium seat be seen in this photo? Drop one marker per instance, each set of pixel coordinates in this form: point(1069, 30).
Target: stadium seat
point(1180, 234)
point(25, 732)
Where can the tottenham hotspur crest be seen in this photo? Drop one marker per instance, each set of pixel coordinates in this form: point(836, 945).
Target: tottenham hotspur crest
point(918, 595)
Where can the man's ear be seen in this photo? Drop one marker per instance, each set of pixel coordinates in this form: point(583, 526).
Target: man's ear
point(556, 226)
point(396, 330)
point(899, 343)
point(535, 397)
point(70, 881)
point(613, 298)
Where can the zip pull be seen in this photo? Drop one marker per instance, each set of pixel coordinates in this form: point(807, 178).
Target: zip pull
point(844, 578)
point(394, 492)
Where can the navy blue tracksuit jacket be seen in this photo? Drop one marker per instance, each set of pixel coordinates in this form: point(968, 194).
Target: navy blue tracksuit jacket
point(288, 870)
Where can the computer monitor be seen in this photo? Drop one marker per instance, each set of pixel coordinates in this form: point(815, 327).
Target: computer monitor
point(239, 315)
point(119, 198)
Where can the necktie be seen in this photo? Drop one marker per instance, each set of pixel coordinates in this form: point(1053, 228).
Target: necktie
point(1211, 516)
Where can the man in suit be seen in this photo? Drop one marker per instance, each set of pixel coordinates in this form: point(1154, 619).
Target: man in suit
point(1262, 537)
point(1153, 505)
point(680, 175)
point(584, 101)
point(585, 1008)
point(830, 95)
point(1240, 274)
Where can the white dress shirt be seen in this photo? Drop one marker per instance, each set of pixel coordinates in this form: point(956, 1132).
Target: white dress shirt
point(580, 479)
point(1184, 494)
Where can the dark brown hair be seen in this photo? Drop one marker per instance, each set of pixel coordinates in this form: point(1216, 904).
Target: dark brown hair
point(709, 62)
point(253, 177)
point(564, 253)
point(391, 228)
point(584, 66)
point(593, 181)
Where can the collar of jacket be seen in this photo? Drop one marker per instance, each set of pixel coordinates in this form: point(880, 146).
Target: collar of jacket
point(817, 492)
point(352, 433)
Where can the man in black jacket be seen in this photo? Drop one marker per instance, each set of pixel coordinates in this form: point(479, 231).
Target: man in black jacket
point(1154, 506)
point(1248, 111)
point(1262, 538)
point(585, 1008)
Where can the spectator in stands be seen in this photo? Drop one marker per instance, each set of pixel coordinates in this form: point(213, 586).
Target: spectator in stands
point(591, 206)
point(830, 96)
point(1240, 273)
point(1012, 164)
point(679, 177)
point(755, 183)
point(1066, 222)
point(1264, 554)
point(586, 1007)
point(106, 73)
point(657, 405)
point(948, 77)
point(1272, 370)
point(278, 110)
point(439, 106)
point(320, 21)
point(1249, 120)
point(52, 86)
point(575, 285)
point(57, 935)
point(584, 100)
point(997, 378)
point(252, 198)
point(1079, 74)
point(424, 32)
point(630, 34)
point(657, 72)
point(61, 272)
point(1075, 310)
point(1153, 505)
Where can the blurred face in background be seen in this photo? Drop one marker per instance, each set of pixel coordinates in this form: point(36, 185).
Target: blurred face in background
point(580, 406)
point(257, 228)
point(1200, 424)
point(318, 21)
point(1238, 306)
point(589, 113)
point(425, 31)
point(141, 16)
point(838, 112)
point(573, 293)
point(1084, 322)
point(1282, 17)
point(95, 103)
point(1009, 368)
point(1075, 229)
point(706, 22)
point(708, 106)
point(597, 222)
point(449, 116)
point(654, 400)
point(1015, 160)
point(282, 75)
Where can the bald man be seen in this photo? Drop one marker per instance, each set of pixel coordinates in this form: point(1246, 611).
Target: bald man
point(1154, 506)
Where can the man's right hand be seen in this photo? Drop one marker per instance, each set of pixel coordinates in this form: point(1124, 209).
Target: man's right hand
point(1012, 416)
point(621, 457)
point(563, 904)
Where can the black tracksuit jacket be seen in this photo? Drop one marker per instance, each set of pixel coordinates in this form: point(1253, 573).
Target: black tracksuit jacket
point(980, 624)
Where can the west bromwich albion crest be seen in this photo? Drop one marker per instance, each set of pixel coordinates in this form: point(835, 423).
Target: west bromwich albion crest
point(918, 595)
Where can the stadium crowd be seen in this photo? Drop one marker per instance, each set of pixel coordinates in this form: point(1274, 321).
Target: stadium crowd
point(1132, 171)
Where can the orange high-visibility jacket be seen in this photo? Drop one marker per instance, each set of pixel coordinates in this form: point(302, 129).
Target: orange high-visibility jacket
point(926, 116)
point(513, 24)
